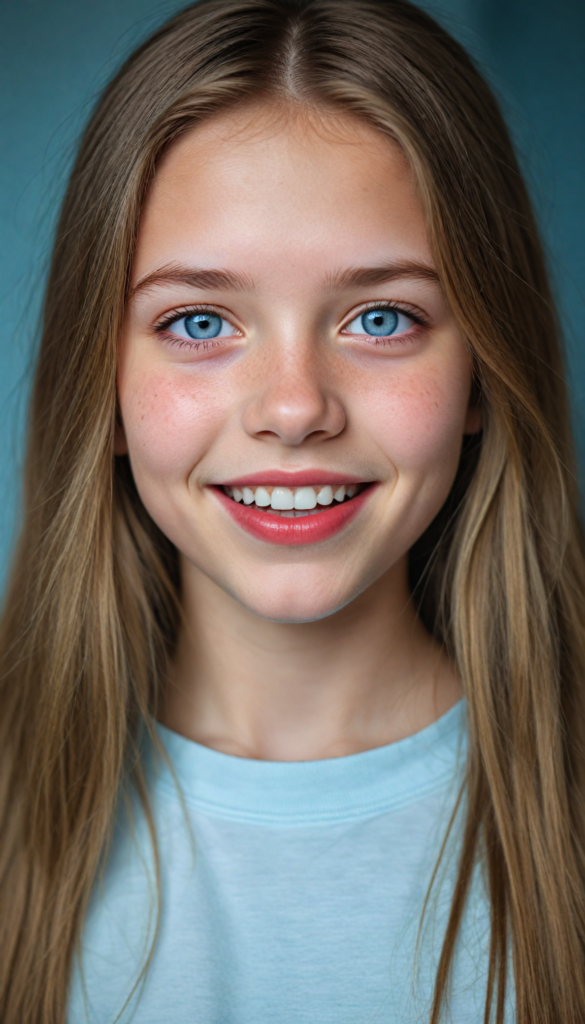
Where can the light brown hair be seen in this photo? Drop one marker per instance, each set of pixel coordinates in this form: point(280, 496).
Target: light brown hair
point(93, 603)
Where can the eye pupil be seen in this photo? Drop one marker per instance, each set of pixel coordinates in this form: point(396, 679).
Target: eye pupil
point(203, 325)
point(380, 321)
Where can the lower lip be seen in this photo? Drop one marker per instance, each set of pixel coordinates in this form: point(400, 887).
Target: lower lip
point(303, 530)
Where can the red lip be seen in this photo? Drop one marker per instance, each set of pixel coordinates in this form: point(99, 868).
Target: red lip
point(305, 530)
point(298, 478)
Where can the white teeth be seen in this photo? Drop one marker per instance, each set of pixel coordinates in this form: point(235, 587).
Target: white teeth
point(282, 498)
point(299, 500)
point(262, 497)
point(325, 495)
point(305, 497)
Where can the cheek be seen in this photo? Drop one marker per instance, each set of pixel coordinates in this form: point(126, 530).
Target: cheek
point(419, 420)
point(168, 420)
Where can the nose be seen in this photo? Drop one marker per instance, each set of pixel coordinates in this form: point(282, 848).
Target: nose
point(294, 403)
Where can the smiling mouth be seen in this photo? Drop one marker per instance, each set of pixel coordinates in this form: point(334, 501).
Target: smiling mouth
point(294, 502)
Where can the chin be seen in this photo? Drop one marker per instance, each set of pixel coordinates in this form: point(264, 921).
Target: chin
point(294, 608)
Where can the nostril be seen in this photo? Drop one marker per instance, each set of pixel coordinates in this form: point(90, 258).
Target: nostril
point(291, 438)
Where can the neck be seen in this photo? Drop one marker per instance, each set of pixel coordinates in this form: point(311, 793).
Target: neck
point(363, 677)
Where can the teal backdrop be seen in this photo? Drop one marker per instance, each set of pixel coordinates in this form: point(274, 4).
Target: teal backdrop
point(55, 56)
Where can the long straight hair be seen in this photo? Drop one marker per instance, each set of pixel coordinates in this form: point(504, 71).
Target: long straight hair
point(93, 604)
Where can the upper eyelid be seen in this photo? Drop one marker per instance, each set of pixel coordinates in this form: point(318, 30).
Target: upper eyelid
point(413, 312)
point(408, 309)
point(166, 319)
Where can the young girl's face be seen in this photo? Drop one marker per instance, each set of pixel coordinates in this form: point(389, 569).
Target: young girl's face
point(292, 384)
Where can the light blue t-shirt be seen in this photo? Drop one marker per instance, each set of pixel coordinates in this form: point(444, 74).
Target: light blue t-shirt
point(291, 892)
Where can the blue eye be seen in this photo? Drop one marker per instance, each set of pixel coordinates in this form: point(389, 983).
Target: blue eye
point(380, 323)
point(203, 326)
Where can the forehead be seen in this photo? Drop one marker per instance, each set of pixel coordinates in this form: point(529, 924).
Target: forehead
point(263, 184)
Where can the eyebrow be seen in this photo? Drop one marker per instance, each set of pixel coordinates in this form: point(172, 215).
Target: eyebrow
point(228, 280)
point(356, 277)
point(195, 277)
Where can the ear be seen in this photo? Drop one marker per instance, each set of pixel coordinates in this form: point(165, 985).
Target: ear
point(120, 445)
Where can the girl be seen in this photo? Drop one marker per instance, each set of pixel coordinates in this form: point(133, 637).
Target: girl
point(293, 650)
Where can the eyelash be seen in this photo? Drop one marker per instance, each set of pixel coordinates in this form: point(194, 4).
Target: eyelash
point(413, 313)
point(160, 328)
point(176, 314)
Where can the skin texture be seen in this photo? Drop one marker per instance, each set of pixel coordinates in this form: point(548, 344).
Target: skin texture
point(293, 652)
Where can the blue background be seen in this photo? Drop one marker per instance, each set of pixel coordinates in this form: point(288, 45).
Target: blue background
point(55, 55)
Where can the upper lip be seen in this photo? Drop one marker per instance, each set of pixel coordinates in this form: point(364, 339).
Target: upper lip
point(297, 478)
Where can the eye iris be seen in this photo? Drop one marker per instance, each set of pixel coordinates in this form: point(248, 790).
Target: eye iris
point(380, 321)
point(203, 325)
